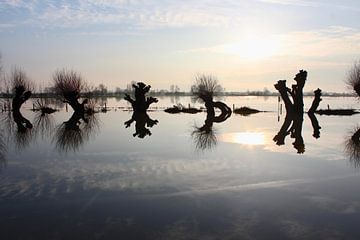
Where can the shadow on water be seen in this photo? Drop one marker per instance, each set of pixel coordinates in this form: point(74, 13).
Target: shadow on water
point(74, 133)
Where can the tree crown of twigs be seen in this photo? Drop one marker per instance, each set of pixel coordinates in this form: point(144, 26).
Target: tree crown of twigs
point(68, 82)
point(205, 87)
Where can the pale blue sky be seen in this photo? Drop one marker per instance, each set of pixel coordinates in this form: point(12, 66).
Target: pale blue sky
point(247, 44)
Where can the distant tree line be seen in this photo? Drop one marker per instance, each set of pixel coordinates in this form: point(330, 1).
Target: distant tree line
point(174, 90)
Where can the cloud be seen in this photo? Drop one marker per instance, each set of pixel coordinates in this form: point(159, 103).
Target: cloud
point(291, 2)
point(319, 45)
point(131, 13)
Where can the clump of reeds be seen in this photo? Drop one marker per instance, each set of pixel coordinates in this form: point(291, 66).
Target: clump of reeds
point(205, 87)
point(353, 78)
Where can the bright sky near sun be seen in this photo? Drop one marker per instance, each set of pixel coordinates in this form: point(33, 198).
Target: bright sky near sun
point(246, 44)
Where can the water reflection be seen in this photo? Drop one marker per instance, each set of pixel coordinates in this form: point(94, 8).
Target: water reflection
point(315, 125)
point(2, 151)
point(44, 124)
point(352, 148)
point(246, 138)
point(75, 132)
point(205, 136)
point(292, 125)
point(24, 133)
point(142, 124)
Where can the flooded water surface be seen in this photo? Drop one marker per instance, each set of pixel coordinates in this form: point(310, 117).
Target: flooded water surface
point(174, 176)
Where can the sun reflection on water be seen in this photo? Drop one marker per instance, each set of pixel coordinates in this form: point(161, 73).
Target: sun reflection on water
point(246, 138)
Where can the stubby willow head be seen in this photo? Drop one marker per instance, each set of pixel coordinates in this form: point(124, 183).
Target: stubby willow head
point(206, 87)
point(69, 85)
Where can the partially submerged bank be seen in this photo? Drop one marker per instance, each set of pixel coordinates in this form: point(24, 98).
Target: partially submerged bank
point(181, 109)
point(337, 112)
point(246, 111)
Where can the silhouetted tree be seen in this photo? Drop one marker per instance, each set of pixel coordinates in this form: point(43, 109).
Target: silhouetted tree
point(69, 84)
point(140, 105)
point(141, 102)
point(296, 105)
point(204, 89)
point(21, 87)
point(353, 79)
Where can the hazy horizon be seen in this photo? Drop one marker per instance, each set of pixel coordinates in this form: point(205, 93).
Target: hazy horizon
point(246, 44)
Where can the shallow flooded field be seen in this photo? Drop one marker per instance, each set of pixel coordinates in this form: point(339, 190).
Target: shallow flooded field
point(106, 179)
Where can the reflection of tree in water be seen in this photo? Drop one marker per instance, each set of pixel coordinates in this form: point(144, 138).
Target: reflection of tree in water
point(142, 121)
point(205, 136)
point(2, 151)
point(292, 125)
point(352, 148)
point(44, 124)
point(75, 132)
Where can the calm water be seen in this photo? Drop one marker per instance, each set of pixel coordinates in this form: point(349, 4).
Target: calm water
point(101, 182)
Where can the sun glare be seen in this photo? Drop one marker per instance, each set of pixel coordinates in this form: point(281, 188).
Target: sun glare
point(246, 138)
point(253, 47)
